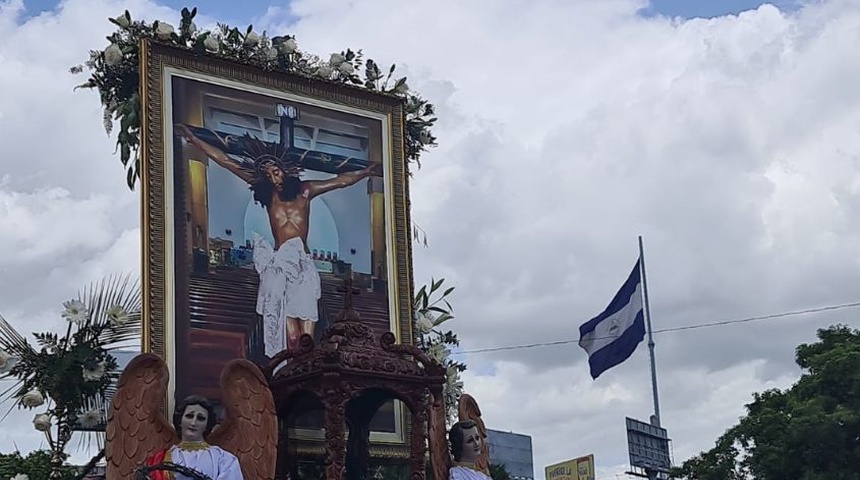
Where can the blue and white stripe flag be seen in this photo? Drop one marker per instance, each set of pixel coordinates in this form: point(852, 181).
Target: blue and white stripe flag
point(611, 337)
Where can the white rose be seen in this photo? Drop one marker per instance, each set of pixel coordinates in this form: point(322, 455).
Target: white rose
point(164, 31)
point(33, 399)
point(346, 68)
point(324, 71)
point(20, 476)
point(211, 43)
point(113, 55)
point(336, 59)
point(289, 46)
point(271, 53)
point(122, 21)
point(438, 352)
point(424, 137)
point(42, 422)
point(252, 40)
point(403, 88)
point(423, 322)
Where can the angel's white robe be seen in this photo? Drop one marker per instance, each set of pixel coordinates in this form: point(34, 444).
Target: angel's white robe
point(212, 461)
point(465, 473)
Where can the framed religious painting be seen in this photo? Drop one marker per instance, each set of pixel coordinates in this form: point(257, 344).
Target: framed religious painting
point(263, 193)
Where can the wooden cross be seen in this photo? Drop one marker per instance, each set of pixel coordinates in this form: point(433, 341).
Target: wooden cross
point(348, 313)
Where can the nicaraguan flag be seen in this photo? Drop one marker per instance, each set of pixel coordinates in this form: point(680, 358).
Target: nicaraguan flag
point(611, 337)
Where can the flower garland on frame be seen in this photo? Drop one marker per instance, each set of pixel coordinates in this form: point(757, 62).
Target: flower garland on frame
point(430, 312)
point(114, 72)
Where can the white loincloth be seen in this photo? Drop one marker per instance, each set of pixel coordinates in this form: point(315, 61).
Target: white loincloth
point(289, 288)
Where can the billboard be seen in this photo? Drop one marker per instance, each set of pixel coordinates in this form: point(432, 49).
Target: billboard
point(581, 468)
point(648, 446)
point(263, 194)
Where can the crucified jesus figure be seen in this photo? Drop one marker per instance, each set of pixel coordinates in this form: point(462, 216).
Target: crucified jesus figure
point(289, 282)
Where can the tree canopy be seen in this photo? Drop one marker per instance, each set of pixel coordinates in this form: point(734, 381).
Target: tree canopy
point(810, 431)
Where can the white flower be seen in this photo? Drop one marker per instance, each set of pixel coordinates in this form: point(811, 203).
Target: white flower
point(336, 59)
point(211, 43)
point(33, 399)
point(423, 322)
point(192, 28)
point(20, 476)
point(346, 68)
point(122, 21)
point(117, 315)
point(113, 55)
point(7, 362)
point(164, 31)
point(42, 422)
point(424, 137)
point(75, 311)
point(438, 352)
point(324, 71)
point(91, 418)
point(94, 372)
point(271, 53)
point(252, 39)
point(289, 46)
point(402, 88)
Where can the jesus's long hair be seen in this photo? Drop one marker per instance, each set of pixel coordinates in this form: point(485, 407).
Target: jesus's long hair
point(263, 155)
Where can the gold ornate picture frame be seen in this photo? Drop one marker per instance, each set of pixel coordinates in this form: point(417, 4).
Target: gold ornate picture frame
point(206, 300)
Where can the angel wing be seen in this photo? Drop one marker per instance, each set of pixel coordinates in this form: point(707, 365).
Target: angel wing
point(250, 426)
point(136, 427)
point(468, 409)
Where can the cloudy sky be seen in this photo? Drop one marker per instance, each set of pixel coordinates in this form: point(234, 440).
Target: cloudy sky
point(725, 133)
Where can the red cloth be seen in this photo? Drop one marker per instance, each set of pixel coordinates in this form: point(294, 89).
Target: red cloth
point(155, 459)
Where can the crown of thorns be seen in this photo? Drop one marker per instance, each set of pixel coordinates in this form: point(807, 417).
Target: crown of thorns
point(266, 154)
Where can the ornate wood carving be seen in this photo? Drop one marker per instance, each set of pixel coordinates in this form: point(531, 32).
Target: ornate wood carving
point(354, 371)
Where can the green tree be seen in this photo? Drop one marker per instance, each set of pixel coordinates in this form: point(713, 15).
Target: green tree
point(810, 431)
point(36, 465)
point(499, 472)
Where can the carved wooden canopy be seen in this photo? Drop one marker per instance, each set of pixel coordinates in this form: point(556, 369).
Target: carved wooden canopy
point(352, 372)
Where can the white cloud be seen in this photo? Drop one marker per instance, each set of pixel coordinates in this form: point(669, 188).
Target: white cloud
point(566, 130)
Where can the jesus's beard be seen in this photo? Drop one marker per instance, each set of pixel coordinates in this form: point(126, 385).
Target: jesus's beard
point(289, 189)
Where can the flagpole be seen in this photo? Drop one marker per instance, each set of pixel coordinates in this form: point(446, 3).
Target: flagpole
point(650, 335)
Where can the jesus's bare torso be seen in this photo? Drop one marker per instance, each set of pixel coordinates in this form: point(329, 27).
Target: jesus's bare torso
point(290, 218)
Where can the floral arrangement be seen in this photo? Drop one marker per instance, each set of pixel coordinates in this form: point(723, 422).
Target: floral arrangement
point(115, 73)
point(430, 313)
point(65, 379)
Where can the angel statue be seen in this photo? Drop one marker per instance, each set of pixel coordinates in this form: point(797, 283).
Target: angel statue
point(140, 440)
point(466, 444)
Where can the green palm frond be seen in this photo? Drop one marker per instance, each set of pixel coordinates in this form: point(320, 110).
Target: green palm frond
point(13, 342)
point(101, 297)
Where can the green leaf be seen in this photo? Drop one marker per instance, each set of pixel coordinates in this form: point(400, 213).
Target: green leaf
point(125, 153)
